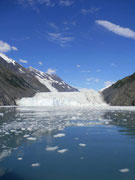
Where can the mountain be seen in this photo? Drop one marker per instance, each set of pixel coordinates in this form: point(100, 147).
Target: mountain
point(53, 82)
point(17, 82)
point(121, 93)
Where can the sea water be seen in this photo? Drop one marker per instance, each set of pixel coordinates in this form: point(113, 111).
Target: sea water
point(48, 143)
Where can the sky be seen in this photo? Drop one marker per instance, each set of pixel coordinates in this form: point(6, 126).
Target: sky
point(88, 43)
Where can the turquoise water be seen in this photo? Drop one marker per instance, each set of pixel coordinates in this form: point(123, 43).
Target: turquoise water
point(97, 144)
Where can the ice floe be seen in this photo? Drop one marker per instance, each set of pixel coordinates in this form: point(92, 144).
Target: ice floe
point(59, 135)
point(62, 150)
point(48, 148)
point(19, 159)
point(26, 135)
point(35, 165)
point(81, 144)
point(1, 114)
point(124, 170)
point(31, 138)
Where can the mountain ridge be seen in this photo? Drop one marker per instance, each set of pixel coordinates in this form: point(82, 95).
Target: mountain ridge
point(17, 82)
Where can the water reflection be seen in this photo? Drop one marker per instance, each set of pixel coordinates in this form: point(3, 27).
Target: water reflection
point(27, 138)
point(125, 119)
point(18, 124)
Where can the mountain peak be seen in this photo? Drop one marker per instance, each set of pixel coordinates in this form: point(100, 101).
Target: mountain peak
point(7, 59)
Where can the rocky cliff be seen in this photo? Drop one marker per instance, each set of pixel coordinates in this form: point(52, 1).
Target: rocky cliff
point(121, 93)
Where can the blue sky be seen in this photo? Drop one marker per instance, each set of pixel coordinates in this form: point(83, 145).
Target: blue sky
point(89, 43)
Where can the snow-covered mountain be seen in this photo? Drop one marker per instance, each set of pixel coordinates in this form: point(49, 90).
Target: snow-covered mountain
point(17, 82)
point(52, 81)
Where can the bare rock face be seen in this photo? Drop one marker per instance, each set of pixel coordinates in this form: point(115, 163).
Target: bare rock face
point(17, 82)
point(122, 93)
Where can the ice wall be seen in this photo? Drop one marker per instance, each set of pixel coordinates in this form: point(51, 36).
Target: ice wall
point(87, 98)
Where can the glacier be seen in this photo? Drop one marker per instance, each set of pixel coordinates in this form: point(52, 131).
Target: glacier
point(84, 98)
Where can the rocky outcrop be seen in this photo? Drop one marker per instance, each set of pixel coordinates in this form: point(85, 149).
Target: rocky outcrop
point(122, 93)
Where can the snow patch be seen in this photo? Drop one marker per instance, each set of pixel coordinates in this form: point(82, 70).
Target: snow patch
point(47, 83)
point(7, 59)
point(21, 71)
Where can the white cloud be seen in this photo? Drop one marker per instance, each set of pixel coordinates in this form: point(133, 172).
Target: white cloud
point(65, 3)
point(113, 65)
point(5, 47)
point(92, 79)
point(85, 71)
point(40, 63)
point(78, 65)
point(122, 31)
point(46, 2)
point(98, 70)
point(53, 25)
point(34, 4)
point(108, 83)
point(23, 61)
point(89, 11)
point(51, 71)
point(14, 48)
point(60, 39)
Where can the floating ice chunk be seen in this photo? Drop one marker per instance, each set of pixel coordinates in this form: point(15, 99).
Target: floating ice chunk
point(73, 118)
point(62, 150)
point(31, 138)
point(76, 138)
point(51, 148)
point(29, 129)
point(7, 133)
point(12, 130)
point(19, 159)
point(81, 157)
point(5, 153)
point(26, 135)
point(124, 170)
point(23, 129)
point(59, 135)
point(1, 114)
point(80, 124)
point(35, 165)
point(81, 144)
